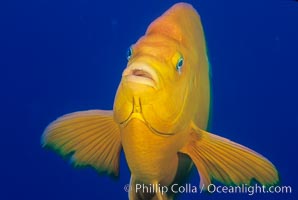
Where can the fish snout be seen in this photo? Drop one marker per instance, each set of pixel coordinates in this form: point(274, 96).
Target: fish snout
point(141, 73)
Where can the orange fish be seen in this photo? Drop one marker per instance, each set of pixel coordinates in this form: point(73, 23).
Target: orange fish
point(160, 116)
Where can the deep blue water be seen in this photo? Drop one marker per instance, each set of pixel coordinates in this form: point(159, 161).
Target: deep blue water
point(63, 56)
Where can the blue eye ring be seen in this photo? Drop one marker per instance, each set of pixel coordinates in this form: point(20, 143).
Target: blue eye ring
point(129, 53)
point(179, 64)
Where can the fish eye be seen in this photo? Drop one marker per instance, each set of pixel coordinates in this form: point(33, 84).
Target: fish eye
point(179, 64)
point(129, 53)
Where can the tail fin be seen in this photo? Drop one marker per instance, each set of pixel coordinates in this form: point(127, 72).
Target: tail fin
point(228, 162)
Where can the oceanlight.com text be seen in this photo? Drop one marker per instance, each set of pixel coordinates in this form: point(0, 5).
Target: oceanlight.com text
point(212, 188)
point(248, 189)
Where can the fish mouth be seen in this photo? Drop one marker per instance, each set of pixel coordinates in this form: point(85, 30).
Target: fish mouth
point(140, 73)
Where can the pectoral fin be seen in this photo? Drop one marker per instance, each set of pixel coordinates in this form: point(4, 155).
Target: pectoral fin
point(228, 162)
point(92, 137)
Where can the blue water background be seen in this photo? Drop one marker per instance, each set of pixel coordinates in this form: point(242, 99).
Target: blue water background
point(63, 56)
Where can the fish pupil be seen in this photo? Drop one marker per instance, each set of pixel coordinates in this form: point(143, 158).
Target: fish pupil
point(179, 64)
point(129, 53)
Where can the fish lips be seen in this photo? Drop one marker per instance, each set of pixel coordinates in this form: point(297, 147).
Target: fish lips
point(141, 73)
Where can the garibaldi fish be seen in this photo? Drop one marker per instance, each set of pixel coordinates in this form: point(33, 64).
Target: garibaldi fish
point(160, 117)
